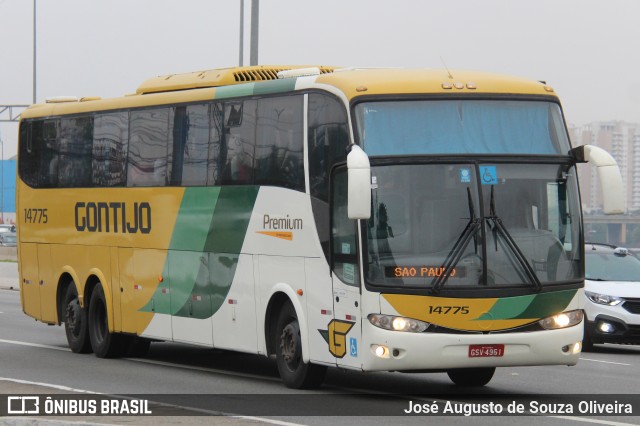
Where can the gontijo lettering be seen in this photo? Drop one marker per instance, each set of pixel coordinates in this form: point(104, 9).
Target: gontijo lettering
point(113, 217)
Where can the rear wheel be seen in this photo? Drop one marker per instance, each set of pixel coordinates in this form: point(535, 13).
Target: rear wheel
point(75, 322)
point(293, 370)
point(471, 376)
point(103, 343)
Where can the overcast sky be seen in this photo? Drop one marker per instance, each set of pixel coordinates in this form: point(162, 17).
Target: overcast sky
point(588, 50)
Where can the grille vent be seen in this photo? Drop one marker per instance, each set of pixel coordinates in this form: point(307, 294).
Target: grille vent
point(264, 74)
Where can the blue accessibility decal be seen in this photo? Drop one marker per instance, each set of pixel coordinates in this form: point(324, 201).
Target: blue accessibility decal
point(488, 175)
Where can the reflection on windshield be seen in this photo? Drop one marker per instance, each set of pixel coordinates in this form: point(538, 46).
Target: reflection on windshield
point(438, 226)
point(603, 266)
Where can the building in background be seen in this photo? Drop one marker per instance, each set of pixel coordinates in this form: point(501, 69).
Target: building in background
point(622, 140)
point(8, 191)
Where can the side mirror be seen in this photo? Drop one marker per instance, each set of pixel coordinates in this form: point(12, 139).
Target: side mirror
point(359, 184)
point(608, 174)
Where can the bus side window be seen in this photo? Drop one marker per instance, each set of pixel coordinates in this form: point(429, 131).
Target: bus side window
point(190, 131)
point(239, 142)
point(278, 158)
point(75, 146)
point(148, 148)
point(109, 155)
point(216, 132)
point(47, 142)
point(328, 140)
point(29, 165)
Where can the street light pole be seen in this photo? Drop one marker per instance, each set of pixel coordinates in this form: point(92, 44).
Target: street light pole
point(241, 61)
point(255, 14)
point(34, 51)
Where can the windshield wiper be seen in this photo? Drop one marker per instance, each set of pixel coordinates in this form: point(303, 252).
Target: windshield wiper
point(459, 247)
point(498, 227)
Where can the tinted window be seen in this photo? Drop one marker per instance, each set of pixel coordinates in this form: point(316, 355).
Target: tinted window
point(215, 162)
point(190, 145)
point(110, 140)
point(29, 164)
point(39, 153)
point(239, 142)
point(328, 139)
point(75, 140)
point(148, 148)
point(45, 139)
point(278, 158)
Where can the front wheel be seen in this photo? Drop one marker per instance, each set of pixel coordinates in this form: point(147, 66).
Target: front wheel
point(471, 376)
point(293, 370)
point(75, 322)
point(104, 343)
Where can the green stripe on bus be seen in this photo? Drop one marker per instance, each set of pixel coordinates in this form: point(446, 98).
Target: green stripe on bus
point(234, 91)
point(260, 88)
point(204, 250)
point(194, 219)
point(231, 219)
point(546, 304)
point(508, 307)
point(530, 306)
point(275, 86)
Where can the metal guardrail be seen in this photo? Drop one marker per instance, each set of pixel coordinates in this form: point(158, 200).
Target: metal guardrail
point(11, 113)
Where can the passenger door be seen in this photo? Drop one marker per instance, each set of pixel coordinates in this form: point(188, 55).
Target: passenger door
point(345, 331)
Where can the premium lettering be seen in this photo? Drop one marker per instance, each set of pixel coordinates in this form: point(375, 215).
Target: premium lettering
point(114, 217)
point(280, 223)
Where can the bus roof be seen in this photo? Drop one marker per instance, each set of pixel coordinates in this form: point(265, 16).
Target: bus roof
point(247, 81)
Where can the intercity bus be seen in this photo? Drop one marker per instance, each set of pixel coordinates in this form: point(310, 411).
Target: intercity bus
point(366, 219)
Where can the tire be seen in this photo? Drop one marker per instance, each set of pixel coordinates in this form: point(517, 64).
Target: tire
point(75, 322)
point(471, 376)
point(103, 343)
point(294, 372)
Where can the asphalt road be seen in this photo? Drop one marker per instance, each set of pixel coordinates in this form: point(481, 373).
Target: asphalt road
point(34, 358)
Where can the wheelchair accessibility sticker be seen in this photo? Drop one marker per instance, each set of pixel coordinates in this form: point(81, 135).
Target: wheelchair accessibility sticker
point(353, 347)
point(488, 175)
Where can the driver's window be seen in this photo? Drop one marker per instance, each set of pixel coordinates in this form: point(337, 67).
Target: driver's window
point(343, 232)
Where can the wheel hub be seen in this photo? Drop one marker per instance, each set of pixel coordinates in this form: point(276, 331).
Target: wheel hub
point(289, 344)
point(73, 315)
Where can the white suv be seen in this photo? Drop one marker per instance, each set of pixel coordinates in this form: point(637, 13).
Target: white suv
point(612, 290)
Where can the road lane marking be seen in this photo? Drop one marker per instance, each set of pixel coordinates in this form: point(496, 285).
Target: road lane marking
point(205, 369)
point(598, 421)
point(48, 385)
point(34, 345)
point(164, 404)
point(604, 362)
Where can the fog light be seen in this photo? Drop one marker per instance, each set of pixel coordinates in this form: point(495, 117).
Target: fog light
point(577, 348)
point(606, 327)
point(380, 351)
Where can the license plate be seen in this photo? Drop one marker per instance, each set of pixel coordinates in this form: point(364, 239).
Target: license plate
point(476, 351)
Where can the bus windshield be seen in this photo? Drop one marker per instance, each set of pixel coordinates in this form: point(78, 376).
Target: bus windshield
point(493, 225)
point(415, 127)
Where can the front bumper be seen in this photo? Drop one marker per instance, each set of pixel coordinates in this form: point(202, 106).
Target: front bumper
point(608, 329)
point(433, 351)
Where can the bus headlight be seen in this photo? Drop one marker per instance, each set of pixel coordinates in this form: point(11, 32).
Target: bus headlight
point(562, 320)
point(395, 323)
point(603, 299)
